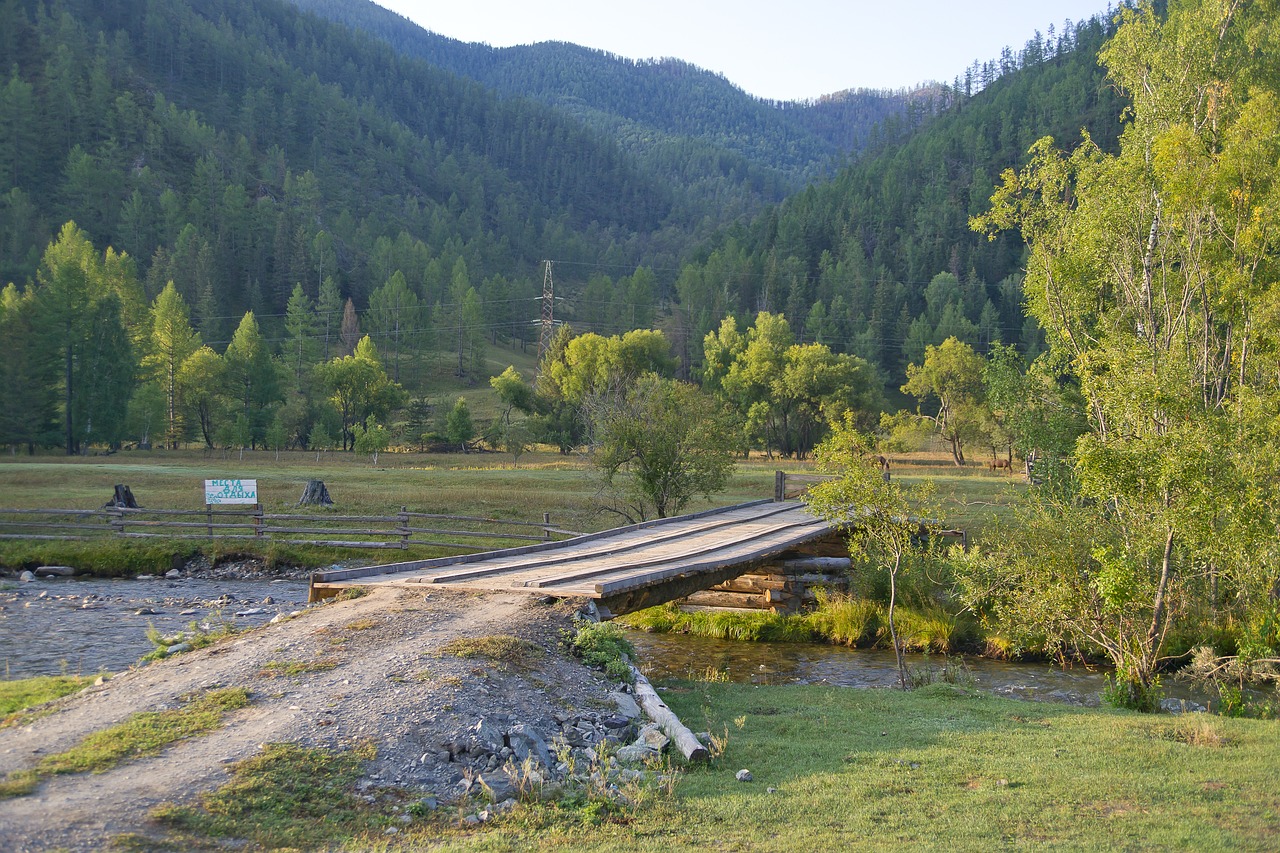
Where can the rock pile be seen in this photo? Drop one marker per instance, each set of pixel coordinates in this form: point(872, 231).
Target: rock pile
point(497, 762)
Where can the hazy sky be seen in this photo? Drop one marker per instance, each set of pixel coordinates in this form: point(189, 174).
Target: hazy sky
point(788, 50)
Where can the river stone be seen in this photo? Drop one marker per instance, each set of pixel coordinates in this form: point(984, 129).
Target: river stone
point(652, 735)
point(527, 742)
point(627, 706)
point(180, 647)
point(636, 753)
point(484, 738)
point(26, 577)
point(173, 574)
point(743, 775)
point(55, 571)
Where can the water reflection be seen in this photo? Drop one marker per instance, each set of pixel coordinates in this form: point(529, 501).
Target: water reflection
point(684, 656)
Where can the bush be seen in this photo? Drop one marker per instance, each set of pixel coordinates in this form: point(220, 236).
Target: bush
point(603, 645)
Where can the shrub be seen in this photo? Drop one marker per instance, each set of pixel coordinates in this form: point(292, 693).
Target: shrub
point(604, 645)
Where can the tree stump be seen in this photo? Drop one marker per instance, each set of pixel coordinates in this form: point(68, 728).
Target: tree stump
point(315, 494)
point(123, 498)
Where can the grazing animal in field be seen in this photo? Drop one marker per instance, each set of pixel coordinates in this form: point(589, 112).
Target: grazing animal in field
point(884, 467)
point(1000, 465)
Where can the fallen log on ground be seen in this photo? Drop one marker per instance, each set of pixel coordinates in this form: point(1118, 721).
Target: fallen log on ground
point(658, 711)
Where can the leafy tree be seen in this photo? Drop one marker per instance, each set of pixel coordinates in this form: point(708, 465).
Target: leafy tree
point(661, 445)
point(886, 522)
point(146, 413)
point(320, 439)
point(277, 437)
point(788, 392)
point(28, 377)
point(359, 388)
point(1152, 272)
point(952, 375)
point(372, 438)
point(458, 424)
point(591, 365)
point(80, 315)
point(199, 380)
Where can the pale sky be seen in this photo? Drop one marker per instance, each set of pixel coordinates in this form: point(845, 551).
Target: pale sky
point(788, 51)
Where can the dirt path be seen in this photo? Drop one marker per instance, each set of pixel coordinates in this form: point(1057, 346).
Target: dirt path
point(374, 671)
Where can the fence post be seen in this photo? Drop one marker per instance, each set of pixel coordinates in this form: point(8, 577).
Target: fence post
point(779, 485)
point(208, 508)
point(546, 526)
point(404, 528)
point(257, 521)
point(117, 520)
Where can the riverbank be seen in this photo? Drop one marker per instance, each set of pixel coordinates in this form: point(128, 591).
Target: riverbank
point(828, 767)
point(426, 698)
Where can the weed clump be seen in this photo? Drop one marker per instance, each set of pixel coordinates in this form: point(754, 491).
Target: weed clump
point(603, 645)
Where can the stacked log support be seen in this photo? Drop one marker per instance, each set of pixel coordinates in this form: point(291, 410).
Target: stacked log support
point(785, 587)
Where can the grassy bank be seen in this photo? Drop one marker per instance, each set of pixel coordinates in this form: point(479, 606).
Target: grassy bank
point(839, 619)
point(837, 768)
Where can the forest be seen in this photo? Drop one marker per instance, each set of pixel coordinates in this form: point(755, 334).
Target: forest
point(244, 158)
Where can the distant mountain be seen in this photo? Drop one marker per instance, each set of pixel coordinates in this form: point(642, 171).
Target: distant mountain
point(685, 122)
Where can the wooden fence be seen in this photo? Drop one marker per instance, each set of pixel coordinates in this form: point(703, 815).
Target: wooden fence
point(400, 530)
point(787, 486)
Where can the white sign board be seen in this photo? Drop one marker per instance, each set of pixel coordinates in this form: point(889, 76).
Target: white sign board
point(231, 491)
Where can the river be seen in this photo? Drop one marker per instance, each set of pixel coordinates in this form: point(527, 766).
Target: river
point(55, 626)
point(81, 627)
point(684, 656)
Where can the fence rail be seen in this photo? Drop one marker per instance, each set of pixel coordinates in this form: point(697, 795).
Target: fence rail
point(252, 523)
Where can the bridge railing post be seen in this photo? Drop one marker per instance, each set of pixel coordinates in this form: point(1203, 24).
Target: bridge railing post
point(779, 485)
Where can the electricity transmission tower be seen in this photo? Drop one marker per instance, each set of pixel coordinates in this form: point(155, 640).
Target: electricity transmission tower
point(548, 313)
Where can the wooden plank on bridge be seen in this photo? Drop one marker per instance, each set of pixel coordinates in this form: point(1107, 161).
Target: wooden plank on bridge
point(628, 567)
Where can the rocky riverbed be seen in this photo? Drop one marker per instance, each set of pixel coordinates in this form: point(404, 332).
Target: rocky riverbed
point(54, 625)
point(465, 732)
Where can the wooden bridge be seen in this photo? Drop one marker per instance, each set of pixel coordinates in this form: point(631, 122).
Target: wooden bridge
point(624, 569)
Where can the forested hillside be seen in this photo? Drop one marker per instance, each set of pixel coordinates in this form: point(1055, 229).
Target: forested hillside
point(239, 148)
point(206, 208)
point(688, 124)
point(880, 261)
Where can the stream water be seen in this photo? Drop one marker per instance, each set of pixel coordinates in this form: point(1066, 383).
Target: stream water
point(684, 656)
point(52, 626)
point(80, 627)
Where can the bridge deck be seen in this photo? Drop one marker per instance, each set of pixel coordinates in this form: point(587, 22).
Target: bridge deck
point(629, 566)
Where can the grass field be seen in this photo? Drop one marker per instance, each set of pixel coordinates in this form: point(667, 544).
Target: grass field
point(480, 484)
point(846, 769)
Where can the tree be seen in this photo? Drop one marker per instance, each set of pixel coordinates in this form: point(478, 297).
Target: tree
point(300, 326)
point(884, 521)
point(28, 376)
point(1152, 272)
point(172, 343)
point(329, 313)
point(661, 445)
point(359, 388)
point(951, 374)
point(320, 439)
point(458, 424)
point(199, 381)
point(80, 316)
point(250, 377)
point(372, 438)
point(394, 317)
